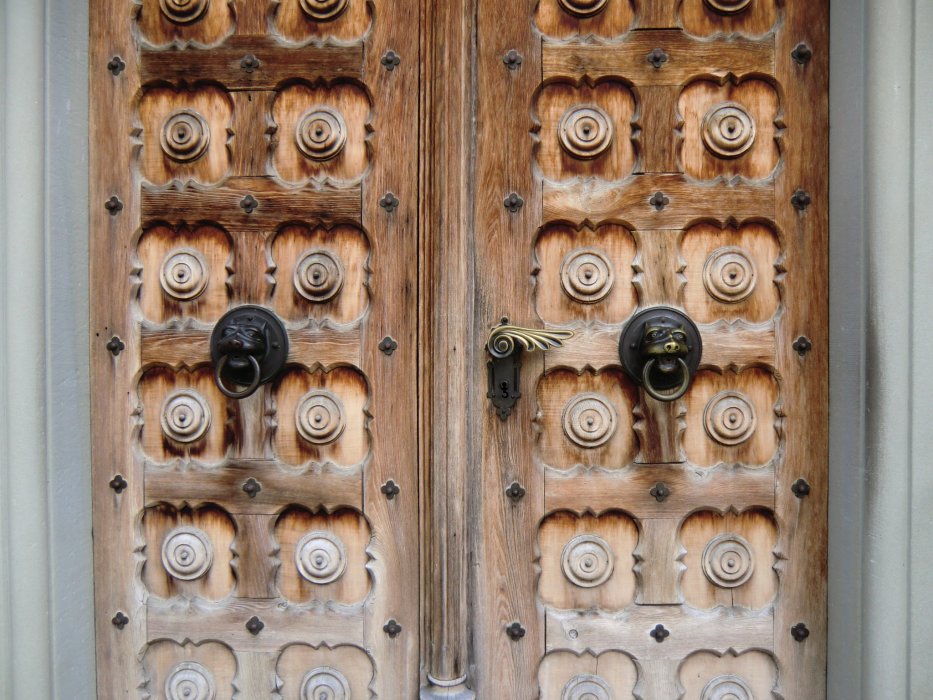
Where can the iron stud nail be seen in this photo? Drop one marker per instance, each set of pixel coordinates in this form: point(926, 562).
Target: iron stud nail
point(113, 205)
point(115, 346)
point(120, 620)
point(802, 345)
point(389, 202)
point(515, 631)
point(252, 487)
point(249, 63)
point(512, 59)
point(116, 65)
point(392, 628)
point(254, 625)
point(388, 345)
point(657, 58)
point(390, 489)
point(659, 201)
point(249, 204)
point(659, 633)
point(801, 200)
point(800, 488)
point(660, 491)
point(802, 53)
point(515, 492)
point(513, 202)
point(118, 483)
point(799, 632)
point(390, 60)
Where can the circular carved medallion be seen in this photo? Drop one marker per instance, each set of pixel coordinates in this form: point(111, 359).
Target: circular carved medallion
point(190, 681)
point(728, 130)
point(586, 686)
point(184, 274)
point(585, 131)
point(321, 133)
point(729, 418)
point(320, 557)
point(185, 416)
point(183, 11)
point(320, 417)
point(185, 135)
point(583, 8)
point(187, 553)
point(586, 275)
point(729, 275)
point(728, 561)
point(325, 683)
point(319, 276)
point(587, 561)
point(727, 688)
point(324, 11)
point(728, 7)
point(589, 420)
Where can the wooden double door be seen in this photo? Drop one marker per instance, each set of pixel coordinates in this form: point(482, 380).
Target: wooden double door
point(404, 200)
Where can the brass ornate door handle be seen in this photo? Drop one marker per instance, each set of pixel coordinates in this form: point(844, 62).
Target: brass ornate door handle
point(249, 347)
point(660, 349)
point(506, 343)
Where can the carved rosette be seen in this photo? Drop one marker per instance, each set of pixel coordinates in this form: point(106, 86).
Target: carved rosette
point(729, 275)
point(324, 10)
point(320, 417)
point(728, 561)
point(728, 130)
point(583, 8)
point(586, 686)
point(585, 131)
point(728, 7)
point(183, 11)
point(187, 553)
point(729, 418)
point(319, 276)
point(586, 275)
point(589, 420)
point(325, 683)
point(320, 557)
point(185, 135)
point(321, 133)
point(727, 688)
point(190, 680)
point(587, 561)
point(185, 416)
point(184, 274)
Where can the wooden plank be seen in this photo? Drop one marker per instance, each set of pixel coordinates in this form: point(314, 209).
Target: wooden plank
point(658, 120)
point(255, 548)
point(657, 562)
point(251, 126)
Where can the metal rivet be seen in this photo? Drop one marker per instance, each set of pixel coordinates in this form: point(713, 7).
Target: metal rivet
point(512, 59)
point(113, 205)
point(390, 60)
point(660, 491)
point(120, 620)
point(388, 345)
point(802, 53)
point(252, 487)
point(801, 200)
point(513, 202)
point(515, 631)
point(392, 628)
point(802, 345)
point(659, 201)
point(657, 57)
point(249, 204)
point(118, 483)
point(390, 489)
point(800, 488)
point(799, 632)
point(116, 65)
point(659, 633)
point(254, 625)
point(389, 202)
point(115, 346)
point(515, 492)
point(249, 63)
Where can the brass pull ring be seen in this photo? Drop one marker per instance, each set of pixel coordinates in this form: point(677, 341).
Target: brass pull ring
point(654, 393)
point(254, 382)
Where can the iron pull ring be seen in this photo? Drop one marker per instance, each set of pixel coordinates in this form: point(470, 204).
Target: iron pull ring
point(671, 396)
point(250, 388)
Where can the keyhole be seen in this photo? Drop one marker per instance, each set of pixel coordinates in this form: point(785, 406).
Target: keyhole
point(504, 387)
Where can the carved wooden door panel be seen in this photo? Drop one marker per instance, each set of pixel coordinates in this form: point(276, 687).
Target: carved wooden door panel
point(631, 156)
point(262, 153)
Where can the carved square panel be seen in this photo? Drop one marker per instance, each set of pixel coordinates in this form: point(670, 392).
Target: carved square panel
point(304, 672)
point(322, 557)
point(182, 671)
point(563, 19)
point(304, 21)
point(746, 676)
point(197, 22)
point(564, 675)
point(584, 275)
point(743, 17)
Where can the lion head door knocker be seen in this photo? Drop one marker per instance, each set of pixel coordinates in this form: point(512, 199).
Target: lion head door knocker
point(249, 347)
point(660, 349)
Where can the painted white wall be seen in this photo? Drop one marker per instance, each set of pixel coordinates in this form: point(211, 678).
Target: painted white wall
point(881, 500)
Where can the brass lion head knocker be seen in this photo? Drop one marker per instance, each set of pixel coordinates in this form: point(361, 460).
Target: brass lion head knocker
point(660, 349)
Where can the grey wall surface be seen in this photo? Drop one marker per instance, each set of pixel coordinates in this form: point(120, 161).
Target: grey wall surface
point(881, 476)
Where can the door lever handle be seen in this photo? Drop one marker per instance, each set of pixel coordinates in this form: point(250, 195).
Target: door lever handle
point(506, 344)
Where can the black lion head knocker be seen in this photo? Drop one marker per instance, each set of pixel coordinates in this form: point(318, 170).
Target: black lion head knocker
point(249, 346)
point(660, 348)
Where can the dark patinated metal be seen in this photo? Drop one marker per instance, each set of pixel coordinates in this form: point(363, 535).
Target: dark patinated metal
point(802, 53)
point(799, 632)
point(115, 345)
point(254, 625)
point(515, 492)
point(800, 200)
point(249, 204)
point(249, 347)
point(659, 200)
point(251, 487)
point(120, 620)
point(390, 489)
point(113, 205)
point(116, 65)
point(389, 202)
point(659, 633)
point(249, 63)
point(660, 492)
point(512, 59)
point(657, 58)
point(388, 345)
point(802, 345)
point(513, 202)
point(390, 60)
point(660, 349)
point(118, 483)
point(800, 488)
point(392, 628)
point(515, 631)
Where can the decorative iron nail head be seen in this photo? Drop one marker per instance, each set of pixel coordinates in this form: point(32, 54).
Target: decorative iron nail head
point(513, 202)
point(659, 633)
point(252, 487)
point(249, 63)
point(801, 200)
point(390, 60)
point(120, 620)
point(388, 345)
point(392, 628)
point(657, 57)
point(799, 632)
point(115, 346)
point(801, 488)
point(512, 59)
point(113, 205)
point(659, 201)
point(390, 489)
point(802, 53)
point(515, 492)
point(118, 483)
point(249, 204)
point(515, 631)
point(254, 625)
point(116, 65)
point(389, 202)
point(802, 345)
point(660, 491)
